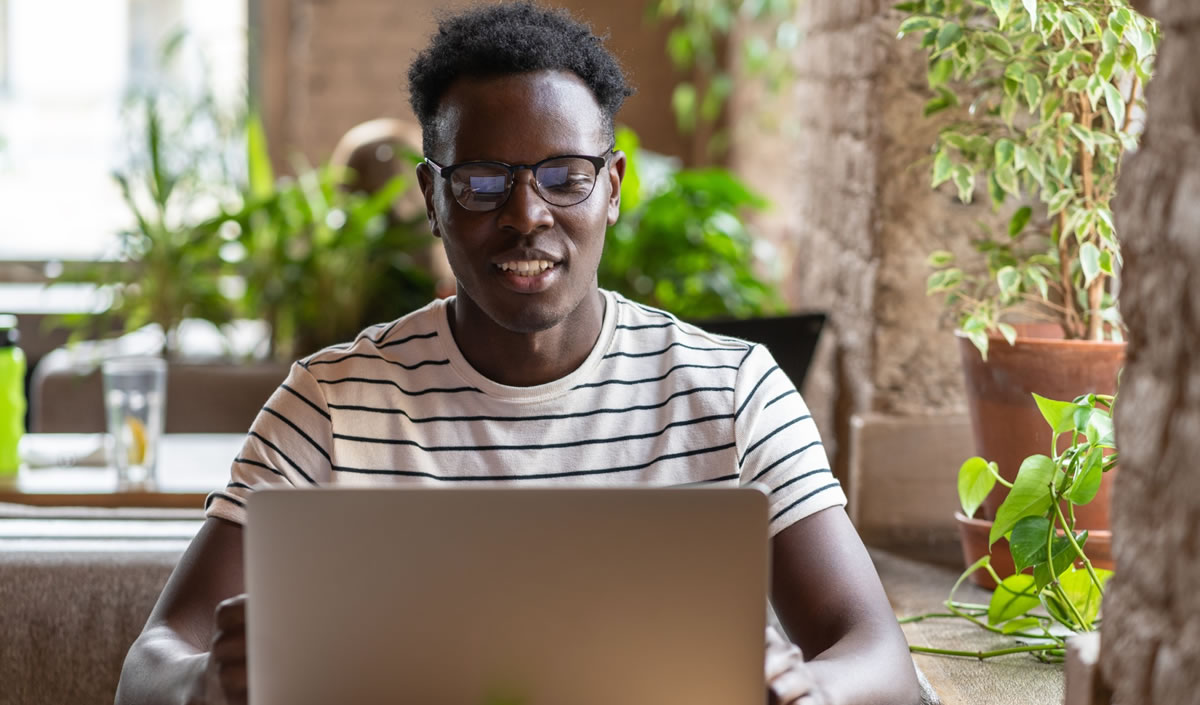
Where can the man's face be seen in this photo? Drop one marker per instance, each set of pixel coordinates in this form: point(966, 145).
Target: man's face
point(498, 256)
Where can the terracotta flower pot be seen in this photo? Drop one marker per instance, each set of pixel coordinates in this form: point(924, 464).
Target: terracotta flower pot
point(1007, 425)
point(973, 535)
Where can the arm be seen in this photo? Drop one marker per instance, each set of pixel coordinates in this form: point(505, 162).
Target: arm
point(194, 645)
point(829, 599)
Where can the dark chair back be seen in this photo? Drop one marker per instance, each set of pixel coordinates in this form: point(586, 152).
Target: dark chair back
point(791, 339)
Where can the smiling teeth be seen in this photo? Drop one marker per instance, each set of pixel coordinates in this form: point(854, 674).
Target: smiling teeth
point(526, 267)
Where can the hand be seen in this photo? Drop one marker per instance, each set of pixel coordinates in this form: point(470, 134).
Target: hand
point(225, 675)
point(789, 681)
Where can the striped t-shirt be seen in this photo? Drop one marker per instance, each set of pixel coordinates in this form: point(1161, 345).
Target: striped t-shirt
point(657, 402)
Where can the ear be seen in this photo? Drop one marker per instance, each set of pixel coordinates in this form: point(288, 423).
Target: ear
point(616, 174)
point(425, 179)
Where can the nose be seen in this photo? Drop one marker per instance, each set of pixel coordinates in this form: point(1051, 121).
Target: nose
point(525, 211)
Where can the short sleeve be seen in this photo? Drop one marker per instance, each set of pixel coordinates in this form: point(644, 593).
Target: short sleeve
point(778, 444)
point(287, 446)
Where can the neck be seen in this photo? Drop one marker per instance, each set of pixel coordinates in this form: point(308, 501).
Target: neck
point(520, 359)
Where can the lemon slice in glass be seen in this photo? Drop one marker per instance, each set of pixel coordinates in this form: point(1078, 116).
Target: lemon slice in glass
point(137, 444)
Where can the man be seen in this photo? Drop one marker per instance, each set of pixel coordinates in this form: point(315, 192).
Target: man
point(533, 375)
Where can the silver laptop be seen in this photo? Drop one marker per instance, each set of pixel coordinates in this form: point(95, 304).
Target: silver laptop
point(507, 596)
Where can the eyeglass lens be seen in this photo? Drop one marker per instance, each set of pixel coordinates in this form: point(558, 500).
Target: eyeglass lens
point(561, 182)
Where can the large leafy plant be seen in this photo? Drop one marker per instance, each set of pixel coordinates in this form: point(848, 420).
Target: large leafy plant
point(1054, 92)
point(320, 262)
point(682, 242)
point(1038, 519)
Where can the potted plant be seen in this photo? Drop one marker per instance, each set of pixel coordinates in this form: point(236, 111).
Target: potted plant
point(1052, 96)
point(1047, 566)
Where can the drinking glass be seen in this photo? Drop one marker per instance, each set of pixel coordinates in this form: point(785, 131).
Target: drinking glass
point(135, 390)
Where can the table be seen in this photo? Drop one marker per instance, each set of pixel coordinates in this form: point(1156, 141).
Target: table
point(190, 466)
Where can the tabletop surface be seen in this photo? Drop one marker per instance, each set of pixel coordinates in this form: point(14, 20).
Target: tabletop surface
point(190, 466)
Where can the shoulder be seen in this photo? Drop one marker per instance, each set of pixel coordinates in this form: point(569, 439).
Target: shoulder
point(641, 326)
point(407, 337)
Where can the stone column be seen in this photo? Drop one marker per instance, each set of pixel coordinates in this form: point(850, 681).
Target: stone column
point(1150, 647)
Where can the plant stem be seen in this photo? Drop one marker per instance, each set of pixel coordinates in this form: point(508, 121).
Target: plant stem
point(999, 479)
point(981, 655)
point(1079, 551)
point(1058, 591)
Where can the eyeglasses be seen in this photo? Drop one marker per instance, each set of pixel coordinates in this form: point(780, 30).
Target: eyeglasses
point(560, 181)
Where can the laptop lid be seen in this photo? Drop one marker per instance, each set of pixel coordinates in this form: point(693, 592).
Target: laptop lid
point(506, 596)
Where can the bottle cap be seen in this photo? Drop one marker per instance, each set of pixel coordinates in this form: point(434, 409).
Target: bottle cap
point(9, 335)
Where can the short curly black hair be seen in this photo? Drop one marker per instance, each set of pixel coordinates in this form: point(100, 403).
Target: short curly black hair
point(512, 38)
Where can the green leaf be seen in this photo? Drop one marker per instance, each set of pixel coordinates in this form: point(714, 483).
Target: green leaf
point(1005, 151)
point(948, 35)
point(941, 168)
point(1105, 66)
point(940, 72)
point(1073, 26)
point(1059, 414)
point(1006, 176)
point(1027, 543)
point(1089, 259)
point(995, 191)
point(1115, 104)
point(940, 258)
point(998, 43)
point(1009, 280)
point(260, 174)
point(944, 99)
point(1002, 8)
point(1021, 625)
point(1029, 496)
point(1100, 429)
point(1109, 40)
point(683, 102)
point(1031, 7)
point(1087, 484)
point(1019, 220)
point(1082, 592)
point(1039, 280)
point(1059, 201)
point(975, 482)
point(912, 24)
point(1063, 556)
point(1009, 333)
point(1013, 597)
point(1033, 91)
point(965, 181)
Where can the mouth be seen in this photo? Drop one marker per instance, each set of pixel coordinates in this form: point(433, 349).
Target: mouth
point(529, 276)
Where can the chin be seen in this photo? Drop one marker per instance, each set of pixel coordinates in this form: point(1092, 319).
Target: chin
point(530, 318)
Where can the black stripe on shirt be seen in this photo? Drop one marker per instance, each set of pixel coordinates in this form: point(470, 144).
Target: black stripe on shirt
point(540, 476)
point(306, 400)
point(222, 495)
point(257, 464)
point(771, 467)
point(388, 382)
point(765, 438)
point(543, 446)
point(297, 429)
point(672, 345)
point(370, 356)
point(283, 455)
point(239, 485)
point(543, 417)
point(653, 379)
point(387, 332)
point(755, 390)
point(402, 341)
point(790, 391)
point(668, 324)
point(789, 507)
point(800, 477)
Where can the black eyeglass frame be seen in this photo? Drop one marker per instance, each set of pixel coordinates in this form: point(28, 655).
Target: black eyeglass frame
point(598, 162)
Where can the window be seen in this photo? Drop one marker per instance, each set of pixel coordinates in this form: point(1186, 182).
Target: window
point(67, 69)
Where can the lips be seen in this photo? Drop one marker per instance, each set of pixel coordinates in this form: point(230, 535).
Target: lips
point(528, 271)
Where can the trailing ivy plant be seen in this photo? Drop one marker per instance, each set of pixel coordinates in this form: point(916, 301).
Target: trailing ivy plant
point(701, 32)
point(1038, 519)
point(1054, 93)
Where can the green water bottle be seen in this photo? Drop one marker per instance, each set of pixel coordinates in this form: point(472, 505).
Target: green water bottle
point(12, 397)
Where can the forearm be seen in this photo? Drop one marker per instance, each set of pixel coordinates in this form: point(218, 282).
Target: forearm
point(867, 667)
point(162, 669)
